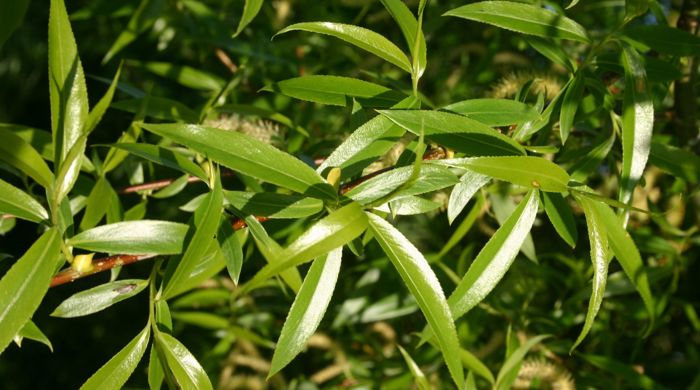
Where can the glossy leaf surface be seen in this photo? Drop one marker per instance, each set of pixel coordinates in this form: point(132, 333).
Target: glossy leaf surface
point(20, 154)
point(494, 112)
point(20, 204)
point(336, 91)
point(462, 193)
point(273, 205)
point(163, 156)
point(133, 237)
point(99, 298)
point(187, 371)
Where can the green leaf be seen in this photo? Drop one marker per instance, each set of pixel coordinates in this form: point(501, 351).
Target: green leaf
point(250, 10)
point(273, 205)
point(249, 156)
point(569, 106)
point(68, 93)
point(133, 237)
point(430, 178)
point(527, 171)
point(502, 206)
point(676, 161)
point(462, 193)
point(99, 298)
point(561, 216)
point(456, 132)
point(205, 231)
point(23, 287)
point(637, 123)
point(20, 204)
point(183, 75)
point(202, 319)
point(361, 37)
point(173, 188)
point(475, 365)
point(164, 156)
point(418, 375)
point(115, 373)
point(158, 108)
point(11, 16)
point(634, 8)
point(626, 372)
point(336, 90)
point(600, 257)
point(335, 230)
point(425, 288)
point(100, 108)
point(366, 143)
point(271, 250)
point(69, 170)
point(188, 373)
point(586, 164)
point(141, 20)
point(21, 155)
point(627, 255)
point(410, 205)
point(32, 332)
point(495, 112)
point(231, 249)
point(155, 370)
point(551, 50)
point(665, 39)
point(411, 32)
point(307, 310)
point(495, 257)
point(98, 202)
point(522, 18)
point(516, 358)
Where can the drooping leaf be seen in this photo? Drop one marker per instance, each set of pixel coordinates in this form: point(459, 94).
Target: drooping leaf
point(665, 39)
point(425, 288)
point(676, 161)
point(307, 310)
point(20, 154)
point(600, 258)
point(495, 257)
point(527, 171)
point(20, 204)
point(494, 112)
point(561, 216)
point(99, 298)
point(335, 230)
point(133, 237)
point(68, 93)
point(637, 123)
point(163, 156)
point(336, 90)
point(462, 193)
point(249, 156)
point(456, 132)
point(187, 371)
point(250, 10)
point(367, 143)
point(359, 36)
point(273, 205)
point(23, 287)
point(569, 106)
point(522, 18)
point(32, 332)
point(115, 373)
point(418, 375)
point(203, 236)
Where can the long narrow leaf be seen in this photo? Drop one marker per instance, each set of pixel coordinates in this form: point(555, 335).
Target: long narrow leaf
point(250, 10)
point(133, 237)
point(495, 257)
point(99, 298)
point(337, 91)
point(20, 154)
point(424, 286)
point(20, 204)
point(187, 371)
point(307, 310)
point(23, 287)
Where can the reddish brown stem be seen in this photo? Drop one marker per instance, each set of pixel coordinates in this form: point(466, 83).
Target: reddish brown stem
point(69, 274)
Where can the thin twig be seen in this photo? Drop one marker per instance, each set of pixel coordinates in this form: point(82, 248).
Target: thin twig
point(69, 274)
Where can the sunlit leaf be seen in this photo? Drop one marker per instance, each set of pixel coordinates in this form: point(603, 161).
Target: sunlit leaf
point(418, 375)
point(231, 249)
point(23, 287)
point(99, 298)
point(415, 40)
point(523, 18)
point(250, 10)
point(462, 193)
point(20, 204)
point(495, 257)
point(20, 154)
point(187, 371)
point(248, 155)
point(307, 310)
point(569, 106)
point(163, 156)
point(118, 369)
point(273, 205)
point(425, 288)
point(494, 112)
point(133, 237)
point(361, 37)
point(32, 332)
point(183, 75)
point(561, 216)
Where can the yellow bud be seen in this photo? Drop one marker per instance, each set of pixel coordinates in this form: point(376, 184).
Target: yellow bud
point(333, 177)
point(83, 263)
